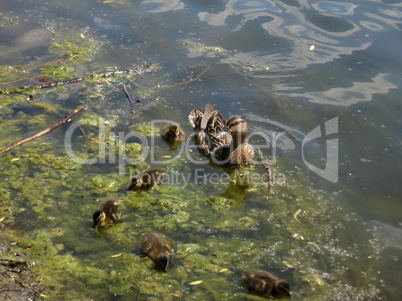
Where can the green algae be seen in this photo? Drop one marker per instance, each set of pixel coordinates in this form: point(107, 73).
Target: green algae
point(168, 209)
point(147, 131)
point(47, 201)
point(198, 49)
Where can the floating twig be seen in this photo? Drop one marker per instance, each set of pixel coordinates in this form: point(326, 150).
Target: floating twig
point(49, 129)
point(83, 133)
point(270, 175)
point(130, 100)
point(194, 79)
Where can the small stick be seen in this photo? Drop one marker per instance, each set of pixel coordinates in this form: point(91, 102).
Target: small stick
point(130, 100)
point(83, 133)
point(269, 173)
point(49, 129)
point(194, 79)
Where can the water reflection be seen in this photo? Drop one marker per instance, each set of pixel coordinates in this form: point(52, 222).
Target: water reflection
point(160, 6)
point(392, 235)
point(357, 92)
point(339, 8)
point(329, 26)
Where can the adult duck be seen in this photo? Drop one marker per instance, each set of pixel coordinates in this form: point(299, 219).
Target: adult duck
point(223, 141)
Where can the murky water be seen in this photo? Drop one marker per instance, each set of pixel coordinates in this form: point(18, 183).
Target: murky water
point(318, 82)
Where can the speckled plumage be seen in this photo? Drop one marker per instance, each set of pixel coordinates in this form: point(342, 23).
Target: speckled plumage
point(173, 133)
point(266, 284)
point(147, 179)
point(156, 247)
point(109, 212)
point(224, 142)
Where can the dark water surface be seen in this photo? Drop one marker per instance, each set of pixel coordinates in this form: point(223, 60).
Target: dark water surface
point(320, 78)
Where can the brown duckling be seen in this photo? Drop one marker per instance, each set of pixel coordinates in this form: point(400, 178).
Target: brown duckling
point(147, 179)
point(173, 133)
point(224, 142)
point(156, 247)
point(109, 212)
point(266, 284)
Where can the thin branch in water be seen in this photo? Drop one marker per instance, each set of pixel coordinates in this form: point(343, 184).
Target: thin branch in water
point(83, 133)
point(194, 79)
point(49, 129)
point(130, 100)
point(270, 175)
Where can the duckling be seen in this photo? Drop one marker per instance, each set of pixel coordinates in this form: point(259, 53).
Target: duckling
point(224, 142)
point(173, 133)
point(156, 247)
point(265, 283)
point(109, 212)
point(147, 179)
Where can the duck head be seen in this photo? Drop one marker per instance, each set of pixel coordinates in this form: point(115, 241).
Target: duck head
point(174, 131)
point(237, 127)
point(163, 261)
point(135, 183)
point(282, 288)
point(99, 218)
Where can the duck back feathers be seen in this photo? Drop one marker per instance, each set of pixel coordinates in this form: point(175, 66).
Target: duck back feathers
point(224, 142)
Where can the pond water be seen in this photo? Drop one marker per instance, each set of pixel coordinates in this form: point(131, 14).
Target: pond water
point(318, 82)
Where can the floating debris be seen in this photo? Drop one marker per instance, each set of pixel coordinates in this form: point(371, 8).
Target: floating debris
point(311, 48)
point(298, 236)
point(196, 282)
point(296, 215)
point(289, 265)
point(314, 245)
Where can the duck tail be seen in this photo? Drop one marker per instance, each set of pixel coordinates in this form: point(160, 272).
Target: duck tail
point(199, 119)
point(195, 119)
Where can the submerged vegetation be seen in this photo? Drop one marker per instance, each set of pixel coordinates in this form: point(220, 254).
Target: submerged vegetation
point(47, 201)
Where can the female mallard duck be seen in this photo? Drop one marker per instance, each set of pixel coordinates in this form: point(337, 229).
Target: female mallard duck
point(156, 247)
point(264, 283)
point(224, 142)
point(109, 212)
point(173, 133)
point(147, 179)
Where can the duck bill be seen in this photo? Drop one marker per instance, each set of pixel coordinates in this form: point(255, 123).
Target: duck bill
point(133, 184)
point(221, 134)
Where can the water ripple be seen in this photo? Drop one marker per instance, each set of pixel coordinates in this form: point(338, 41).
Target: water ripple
point(339, 8)
point(160, 6)
point(358, 92)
